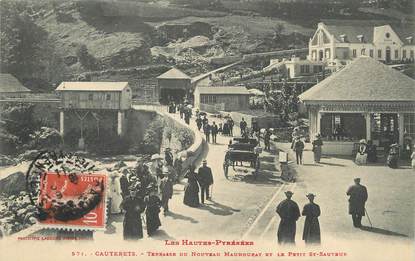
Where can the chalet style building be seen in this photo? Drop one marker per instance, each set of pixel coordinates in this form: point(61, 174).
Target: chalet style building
point(93, 107)
point(338, 42)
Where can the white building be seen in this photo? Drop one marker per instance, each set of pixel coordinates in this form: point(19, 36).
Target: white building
point(339, 42)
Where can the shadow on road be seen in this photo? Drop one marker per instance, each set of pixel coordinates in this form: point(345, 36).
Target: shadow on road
point(162, 235)
point(182, 217)
point(313, 165)
point(333, 164)
point(382, 231)
point(219, 209)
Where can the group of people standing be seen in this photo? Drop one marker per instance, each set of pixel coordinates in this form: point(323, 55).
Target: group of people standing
point(212, 130)
point(184, 109)
point(289, 213)
point(298, 146)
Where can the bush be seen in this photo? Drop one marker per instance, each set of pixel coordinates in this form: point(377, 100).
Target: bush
point(153, 137)
point(45, 138)
point(185, 138)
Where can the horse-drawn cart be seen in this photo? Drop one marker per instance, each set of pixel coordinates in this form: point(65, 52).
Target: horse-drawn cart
point(233, 156)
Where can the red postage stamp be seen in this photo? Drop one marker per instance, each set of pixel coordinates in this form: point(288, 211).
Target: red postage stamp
point(73, 201)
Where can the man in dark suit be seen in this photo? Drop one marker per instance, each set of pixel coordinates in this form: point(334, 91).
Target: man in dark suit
point(205, 179)
point(357, 199)
point(207, 130)
point(214, 131)
point(243, 126)
point(289, 213)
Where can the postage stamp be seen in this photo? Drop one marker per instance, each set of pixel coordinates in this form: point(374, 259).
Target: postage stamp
point(72, 201)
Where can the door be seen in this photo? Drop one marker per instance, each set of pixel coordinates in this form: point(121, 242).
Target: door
point(388, 55)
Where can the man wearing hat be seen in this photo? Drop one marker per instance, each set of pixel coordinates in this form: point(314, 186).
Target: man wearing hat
point(289, 213)
point(205, 179)
point(357, 199)
point(311, 211)
point(168, 157)
point(166, 189)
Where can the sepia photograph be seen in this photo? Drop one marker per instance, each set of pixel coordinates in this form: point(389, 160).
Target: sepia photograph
point(207, 129)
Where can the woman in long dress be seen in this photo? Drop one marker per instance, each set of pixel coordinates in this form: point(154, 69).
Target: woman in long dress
point(311, 233)
point(317, 144)
point(191, 190)
point(132, 226)
point(153, 203)
point(115, 192)
point(361, 155)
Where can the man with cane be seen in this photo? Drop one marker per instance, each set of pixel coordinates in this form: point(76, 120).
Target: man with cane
point(205, 179)
point(357, 199)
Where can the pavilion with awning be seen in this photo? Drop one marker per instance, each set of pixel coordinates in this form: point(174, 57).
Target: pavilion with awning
point(173, 85)
point(364, 100)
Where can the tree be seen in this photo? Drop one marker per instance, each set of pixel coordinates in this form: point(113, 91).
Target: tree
point(21, 40)
point(19, 120)
point(87, 60)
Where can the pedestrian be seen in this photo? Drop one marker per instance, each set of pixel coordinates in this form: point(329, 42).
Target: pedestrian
point(205, 179)
point(206, 130)
point(166, 189)
point(267, 139)
point(298, 148)
point(124, 185)
point(311, 233)
point(153, 204)
point(191, 190)
point(289, 213)
point(182, 110)
point(317, 144)
point(361, 154)
point(371, 152)
point(199, 122)
point(242, 126)
point(205, 120)
point(220, 129)
point(187, 115)
point(168, 157)
point(133, 206)
point(231, 123)
point(357, 199)
point(225, 129)
point(296, 134)
point(413, 159)
point(393, 156)
point(214, 131)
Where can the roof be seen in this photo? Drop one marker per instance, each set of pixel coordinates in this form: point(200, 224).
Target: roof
point(9, 84)
point(174, 74)
point(365, 79)
point(92, 86)
point(223, 90)
point(354, 28)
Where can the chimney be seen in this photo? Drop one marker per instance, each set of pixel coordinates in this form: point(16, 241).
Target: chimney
point(409, 39)
point(343, 38)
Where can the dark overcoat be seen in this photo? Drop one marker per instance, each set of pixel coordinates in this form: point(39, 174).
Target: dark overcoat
point(289, 213)
point(311, 233)
point(132, 227)
point(205, 176)
point(358, 197)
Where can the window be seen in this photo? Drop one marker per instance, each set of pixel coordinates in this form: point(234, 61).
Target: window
point(354, 53)
point(304, 68)
point(409, 124)
point(327, 54)
point(388, 35)
point(396, 54)
point(371, 52)
point(363, 51)
point(108, 97)
point(403, 54)
point(90, 97)
point(411, 54)
point(379, 54)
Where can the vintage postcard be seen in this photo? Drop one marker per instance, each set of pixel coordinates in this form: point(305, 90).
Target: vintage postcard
point(207, 129)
